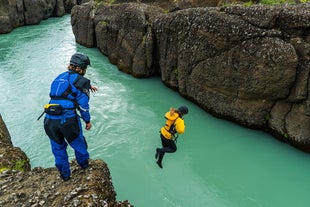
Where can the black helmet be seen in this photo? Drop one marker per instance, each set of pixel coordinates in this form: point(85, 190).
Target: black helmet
point(183, 110)
point(79, 59)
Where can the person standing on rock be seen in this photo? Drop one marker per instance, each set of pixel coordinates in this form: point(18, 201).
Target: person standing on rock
point(169, 133)
point(69, 93)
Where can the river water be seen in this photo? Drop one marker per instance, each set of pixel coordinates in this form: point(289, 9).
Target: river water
point(218, 163)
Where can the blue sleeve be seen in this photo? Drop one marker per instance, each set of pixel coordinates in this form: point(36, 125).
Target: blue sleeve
point(83, 102)
point(82, 85)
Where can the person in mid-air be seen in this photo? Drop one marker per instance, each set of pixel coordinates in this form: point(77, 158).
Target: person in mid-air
point(69, 93)
point(169, 133)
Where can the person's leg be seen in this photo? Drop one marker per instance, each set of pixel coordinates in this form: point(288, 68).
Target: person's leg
point(61, 159)
point(80, 147)
point(168, 147)
point(59, 147)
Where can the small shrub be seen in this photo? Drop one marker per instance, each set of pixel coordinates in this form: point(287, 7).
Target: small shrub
point(277, 2)
point(19, 165)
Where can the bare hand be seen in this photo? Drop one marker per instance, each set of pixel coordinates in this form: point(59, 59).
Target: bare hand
point(88, 126)
point(93, 88)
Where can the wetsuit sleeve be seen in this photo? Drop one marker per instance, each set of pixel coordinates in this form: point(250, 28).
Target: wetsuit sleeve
point(83, 102)
point(82, 98)
point(180, 126)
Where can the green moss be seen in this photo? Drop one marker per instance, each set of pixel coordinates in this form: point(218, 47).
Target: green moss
point(19, 165)
point(285, 136)
point(3, 169)
point(249, 3)
point(98, 2)
point(267, 118)
point(270, 2)
point(144, 39)
point(176, 73)
point(277, 2)
point(103, 23)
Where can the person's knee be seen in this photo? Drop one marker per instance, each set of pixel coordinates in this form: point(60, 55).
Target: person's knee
point(174, 148)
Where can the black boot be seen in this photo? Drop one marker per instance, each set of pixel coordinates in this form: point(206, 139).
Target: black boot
point(160, 158)
point(157, 153)
point(159, 164)
point(64, 177)
point(84, 165)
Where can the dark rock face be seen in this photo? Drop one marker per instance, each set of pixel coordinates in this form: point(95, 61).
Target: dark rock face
point(246, 64)
point(224, 63)
point(129, 43)
point(16, 13)
point(11, 158)
point(11, 15)
point(20, 186)
point(83, 25)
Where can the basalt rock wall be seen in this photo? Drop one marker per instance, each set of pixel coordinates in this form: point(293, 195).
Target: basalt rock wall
point(21, 186)
point(246, 64)
point(16, 13)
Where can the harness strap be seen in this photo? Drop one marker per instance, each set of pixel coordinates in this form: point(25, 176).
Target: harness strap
point(172, 130)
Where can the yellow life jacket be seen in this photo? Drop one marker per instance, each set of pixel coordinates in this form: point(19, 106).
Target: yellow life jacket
point(168, 131)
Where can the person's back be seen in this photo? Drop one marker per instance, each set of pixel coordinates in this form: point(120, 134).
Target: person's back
point(69, 93)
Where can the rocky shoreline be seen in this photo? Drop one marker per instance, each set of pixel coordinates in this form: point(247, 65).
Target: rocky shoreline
point(21, 186)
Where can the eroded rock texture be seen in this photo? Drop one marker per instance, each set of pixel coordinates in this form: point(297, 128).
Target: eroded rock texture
point(246, 64)
point(21, 186)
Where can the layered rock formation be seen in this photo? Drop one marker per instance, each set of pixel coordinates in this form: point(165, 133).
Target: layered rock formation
point(16, 13)
point(246, 64)
point(20, 186)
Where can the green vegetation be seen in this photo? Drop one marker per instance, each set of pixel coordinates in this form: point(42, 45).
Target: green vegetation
point(270, 2)
point(3, 169)
point(176, 73)
point(19, 165)
point(98, 2)
point(144, 39)
point(277, 2)
point(266, 119)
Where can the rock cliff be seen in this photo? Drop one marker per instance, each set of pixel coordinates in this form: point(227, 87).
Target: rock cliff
point(246, 64)
point(21, 186)
point(16, 13)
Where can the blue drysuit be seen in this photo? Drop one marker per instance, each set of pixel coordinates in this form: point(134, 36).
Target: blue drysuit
point(71, 91)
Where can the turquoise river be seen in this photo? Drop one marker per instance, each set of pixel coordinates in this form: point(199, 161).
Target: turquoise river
point(218, 163)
